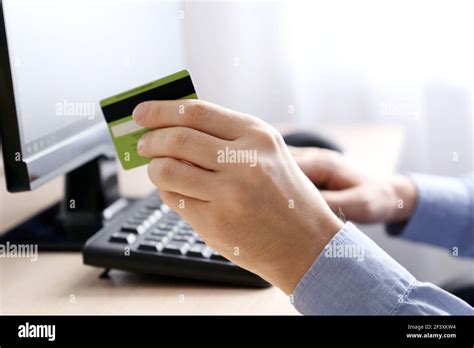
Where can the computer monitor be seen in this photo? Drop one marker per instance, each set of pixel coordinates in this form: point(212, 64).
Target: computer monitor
point(58, 59)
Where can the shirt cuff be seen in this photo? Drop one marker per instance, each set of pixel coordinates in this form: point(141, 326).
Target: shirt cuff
point(442, 216)
point(352, 276)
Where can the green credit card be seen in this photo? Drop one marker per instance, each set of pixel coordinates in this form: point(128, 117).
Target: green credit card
point(118, 110)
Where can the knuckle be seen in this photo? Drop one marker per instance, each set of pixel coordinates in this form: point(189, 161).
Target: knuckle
point(269, 138)
point(179, 138)
point(198, 111)
point(167, 169)
point(277, 137)
point(161, 169)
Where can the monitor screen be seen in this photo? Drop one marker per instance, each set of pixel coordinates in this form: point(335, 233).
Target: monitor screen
point(67, 55)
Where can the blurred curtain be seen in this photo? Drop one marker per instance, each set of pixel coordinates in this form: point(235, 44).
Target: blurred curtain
point(404, 62)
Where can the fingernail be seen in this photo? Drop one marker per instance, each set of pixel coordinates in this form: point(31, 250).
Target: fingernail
point(139, 112)
point(140, 144)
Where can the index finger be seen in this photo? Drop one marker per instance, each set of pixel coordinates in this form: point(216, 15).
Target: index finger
point(203, 116)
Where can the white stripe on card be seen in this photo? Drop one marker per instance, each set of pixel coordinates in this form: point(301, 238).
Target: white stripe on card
point(125, 128)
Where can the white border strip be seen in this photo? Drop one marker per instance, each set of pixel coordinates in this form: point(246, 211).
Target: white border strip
point(125, 128)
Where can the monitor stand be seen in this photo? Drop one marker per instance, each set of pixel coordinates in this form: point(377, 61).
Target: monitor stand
point(90, 194)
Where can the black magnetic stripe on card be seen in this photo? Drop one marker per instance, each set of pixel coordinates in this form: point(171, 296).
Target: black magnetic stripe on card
point(171, 91)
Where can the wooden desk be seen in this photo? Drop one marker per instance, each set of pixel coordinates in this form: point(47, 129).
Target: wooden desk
point(58, 283)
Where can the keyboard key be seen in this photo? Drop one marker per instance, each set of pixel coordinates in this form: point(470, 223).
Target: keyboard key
point(150, 246)
point(134, 221)
point(187, 239)
point(162, 239)
point(133, 228)
point(200, 250)
point(124, 238)
point(157, 232)
point(148, 223)
point(141, 215)
point(185, 233)
point(162, 227)
point(177, 248)
point(153, 204)
point(165, 239)
point(173, 217)
point(216, 256)
point(165, 225)
point(153, 239)
point(157, 215)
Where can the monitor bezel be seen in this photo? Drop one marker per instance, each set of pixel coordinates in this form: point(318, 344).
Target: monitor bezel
point(16, 171)
point(23, 175)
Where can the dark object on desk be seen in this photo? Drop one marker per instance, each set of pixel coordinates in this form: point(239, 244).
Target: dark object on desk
point(462, 287)
point(466, 293)
point(310, 139)
point(148, 237)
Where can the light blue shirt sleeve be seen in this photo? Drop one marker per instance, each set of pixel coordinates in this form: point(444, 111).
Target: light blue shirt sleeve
point(444, 215)
point(354, 276)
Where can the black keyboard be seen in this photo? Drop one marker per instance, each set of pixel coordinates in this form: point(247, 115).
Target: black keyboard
point(148, 237)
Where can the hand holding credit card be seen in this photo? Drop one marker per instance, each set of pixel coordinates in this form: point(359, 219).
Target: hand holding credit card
point(118, 110)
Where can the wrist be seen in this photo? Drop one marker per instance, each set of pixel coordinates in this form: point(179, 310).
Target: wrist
point(291, 265)
point(406, 194)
